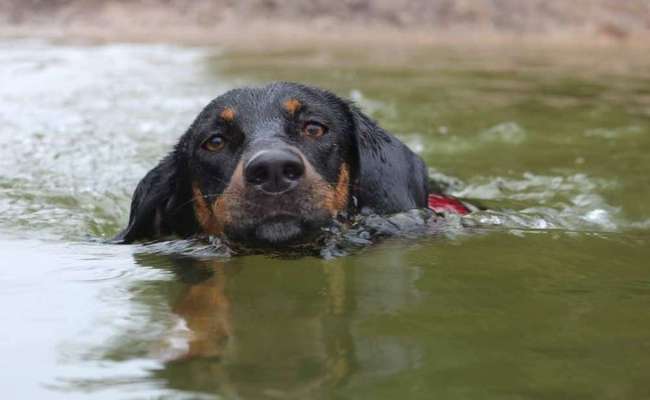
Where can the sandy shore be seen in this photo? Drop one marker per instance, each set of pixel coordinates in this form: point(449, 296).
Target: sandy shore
point(270, 23)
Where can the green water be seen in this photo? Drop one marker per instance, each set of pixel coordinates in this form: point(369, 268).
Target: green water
point(546, 296)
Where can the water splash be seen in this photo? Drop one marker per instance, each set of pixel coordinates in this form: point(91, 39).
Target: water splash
point(84, 124)
point(507, 133)
point(568, 202)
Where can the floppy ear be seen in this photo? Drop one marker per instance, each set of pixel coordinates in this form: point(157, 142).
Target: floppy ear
point(160, 205)
point(391, 178)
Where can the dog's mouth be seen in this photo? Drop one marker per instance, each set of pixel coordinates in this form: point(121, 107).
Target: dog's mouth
point(279, 230)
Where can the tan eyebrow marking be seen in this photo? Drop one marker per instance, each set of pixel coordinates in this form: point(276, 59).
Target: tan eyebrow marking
point(228, 114)
point(292, 105)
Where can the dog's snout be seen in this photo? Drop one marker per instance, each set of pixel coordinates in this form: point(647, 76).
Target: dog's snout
point(274, 171)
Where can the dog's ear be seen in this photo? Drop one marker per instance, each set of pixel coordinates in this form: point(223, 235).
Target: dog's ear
point(390, 178)
point(159, 203)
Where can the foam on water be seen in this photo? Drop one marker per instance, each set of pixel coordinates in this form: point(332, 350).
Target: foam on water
point(568, 202)
point(84, 124)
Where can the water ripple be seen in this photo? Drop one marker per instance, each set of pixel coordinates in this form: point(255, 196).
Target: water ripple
point(83, 125)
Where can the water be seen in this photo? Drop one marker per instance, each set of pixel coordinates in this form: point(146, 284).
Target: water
point(543, 295)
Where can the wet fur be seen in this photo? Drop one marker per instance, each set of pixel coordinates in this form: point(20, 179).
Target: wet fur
point(186, 195)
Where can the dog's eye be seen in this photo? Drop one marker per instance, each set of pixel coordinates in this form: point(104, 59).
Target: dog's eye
point(314, 129)
point(214, 143)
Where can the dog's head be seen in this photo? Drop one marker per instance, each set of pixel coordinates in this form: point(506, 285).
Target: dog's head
point(271, 165)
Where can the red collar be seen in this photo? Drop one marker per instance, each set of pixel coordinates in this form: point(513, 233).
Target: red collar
point(440, 204)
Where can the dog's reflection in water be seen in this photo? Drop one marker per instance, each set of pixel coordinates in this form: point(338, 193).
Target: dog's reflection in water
point(275, 328)
point(205, 310)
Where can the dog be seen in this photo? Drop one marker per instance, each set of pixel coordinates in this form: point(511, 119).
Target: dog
point(270, 166)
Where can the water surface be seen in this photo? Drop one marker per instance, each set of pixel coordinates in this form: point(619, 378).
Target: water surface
point(544, 295)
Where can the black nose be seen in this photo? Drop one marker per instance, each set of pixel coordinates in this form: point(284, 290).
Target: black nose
point(274, 171)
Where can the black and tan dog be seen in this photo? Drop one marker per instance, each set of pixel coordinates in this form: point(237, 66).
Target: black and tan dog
point(270, 166)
